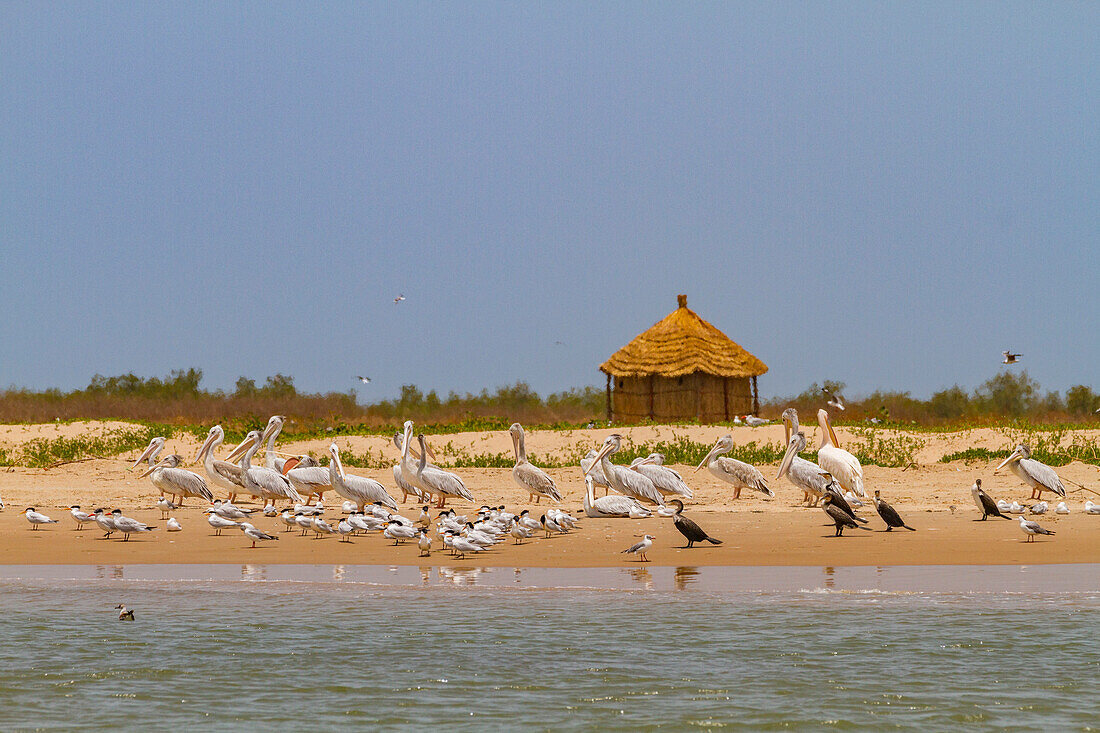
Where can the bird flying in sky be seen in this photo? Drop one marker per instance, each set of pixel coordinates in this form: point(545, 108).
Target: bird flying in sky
point(1009, 357)
point(364, 380)
point(399, 298)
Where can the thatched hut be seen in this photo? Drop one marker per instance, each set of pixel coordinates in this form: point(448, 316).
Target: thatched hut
point(682, 368)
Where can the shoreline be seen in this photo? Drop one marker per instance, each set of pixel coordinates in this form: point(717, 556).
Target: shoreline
point(964, 579)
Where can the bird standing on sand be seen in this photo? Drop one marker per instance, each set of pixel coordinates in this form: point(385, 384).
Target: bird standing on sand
point(218, 522)
point(689, 529)
point(255, 534)
point(81, 517)
point(754, 422)
point(843, 466)
point(739, 474)
point(424, 543)
point(174, 525)
point(1039, 476)
point(528, 476)
point(839, 501)
point(986, 505)
point(641, 548)
point(128, 525)
point(841, 518)
point(1032, 528)
point(125, 614)
point(35, 518)
point(889, 514)
point(623, 480)
point(667, 481)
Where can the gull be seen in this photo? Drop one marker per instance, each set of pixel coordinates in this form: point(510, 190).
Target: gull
point(1061, 508)
point(1039, 476)
point(424, 543)
point(229, 511)
point(165, 506)
point(641, 548)
point(1091, 508)
point(1042, 507)
point(1016, 508)
point(81, 517)
point(399, 298)
point(270, 511)
point(364, 380)
point(255, 534)
point(128, 525)
point(665, 511)
point(986, 505)
point(1031, 529)
point(890, 515)
point(174, 525)
point(346, 529)
point(1010, 358)
point(218, 522)
point(124, 614)
point(753, 421)
point(852, 499)
point(834, 400)
point(737, 473)
point(1004, 506)
point(35, 518)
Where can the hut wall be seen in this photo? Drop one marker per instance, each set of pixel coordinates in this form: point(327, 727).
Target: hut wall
point(693, 396)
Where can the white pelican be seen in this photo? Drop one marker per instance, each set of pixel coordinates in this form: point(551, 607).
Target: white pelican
point(641, 548)
point(623, 480)
point(804, 474)
point(842, 465)
point(528, 476)
point(436, 480)
point(410, 462)
point(80, 516)
point(1031, 528)
point(178, 482)
point(266, 483)
point(614, 505)
point(399, 475)
point(127, 525)
point(359, 489)
point(271, 432)
point(667, 481)
point(309, 479)
point(36, 518)
point(1039, 476)
point(738, 473)
point(156, 445)
point(587, 469)
point(222, 474)
point(255, 534)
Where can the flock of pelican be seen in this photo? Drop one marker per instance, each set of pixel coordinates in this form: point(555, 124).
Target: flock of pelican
point(640, 490)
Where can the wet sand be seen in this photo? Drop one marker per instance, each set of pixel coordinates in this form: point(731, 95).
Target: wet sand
point(755, 530)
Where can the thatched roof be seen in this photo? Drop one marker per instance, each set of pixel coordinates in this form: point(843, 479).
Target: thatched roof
point(682, 343)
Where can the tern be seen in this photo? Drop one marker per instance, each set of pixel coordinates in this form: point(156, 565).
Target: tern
point(35, 518)
point(218, 522)
point(399, 298)
point(128, 526)
point(1091, 508)
point(80, 516)
point(424, 543)
point(105, 521)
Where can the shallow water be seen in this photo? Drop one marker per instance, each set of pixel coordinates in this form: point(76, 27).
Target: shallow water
point(476, 650)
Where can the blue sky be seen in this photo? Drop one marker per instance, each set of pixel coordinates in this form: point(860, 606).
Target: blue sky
point(886, 194)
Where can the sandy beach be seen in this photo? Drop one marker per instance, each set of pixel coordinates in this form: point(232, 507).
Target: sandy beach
point(756, 530)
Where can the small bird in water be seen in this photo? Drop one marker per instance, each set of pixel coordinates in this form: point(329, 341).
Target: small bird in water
point(889, 514)
point(841, 518)
point(125, 614)
point(689, 529)
point(986, 505)
point(1031, 529)
point(641, 548)
point(1010, 358)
